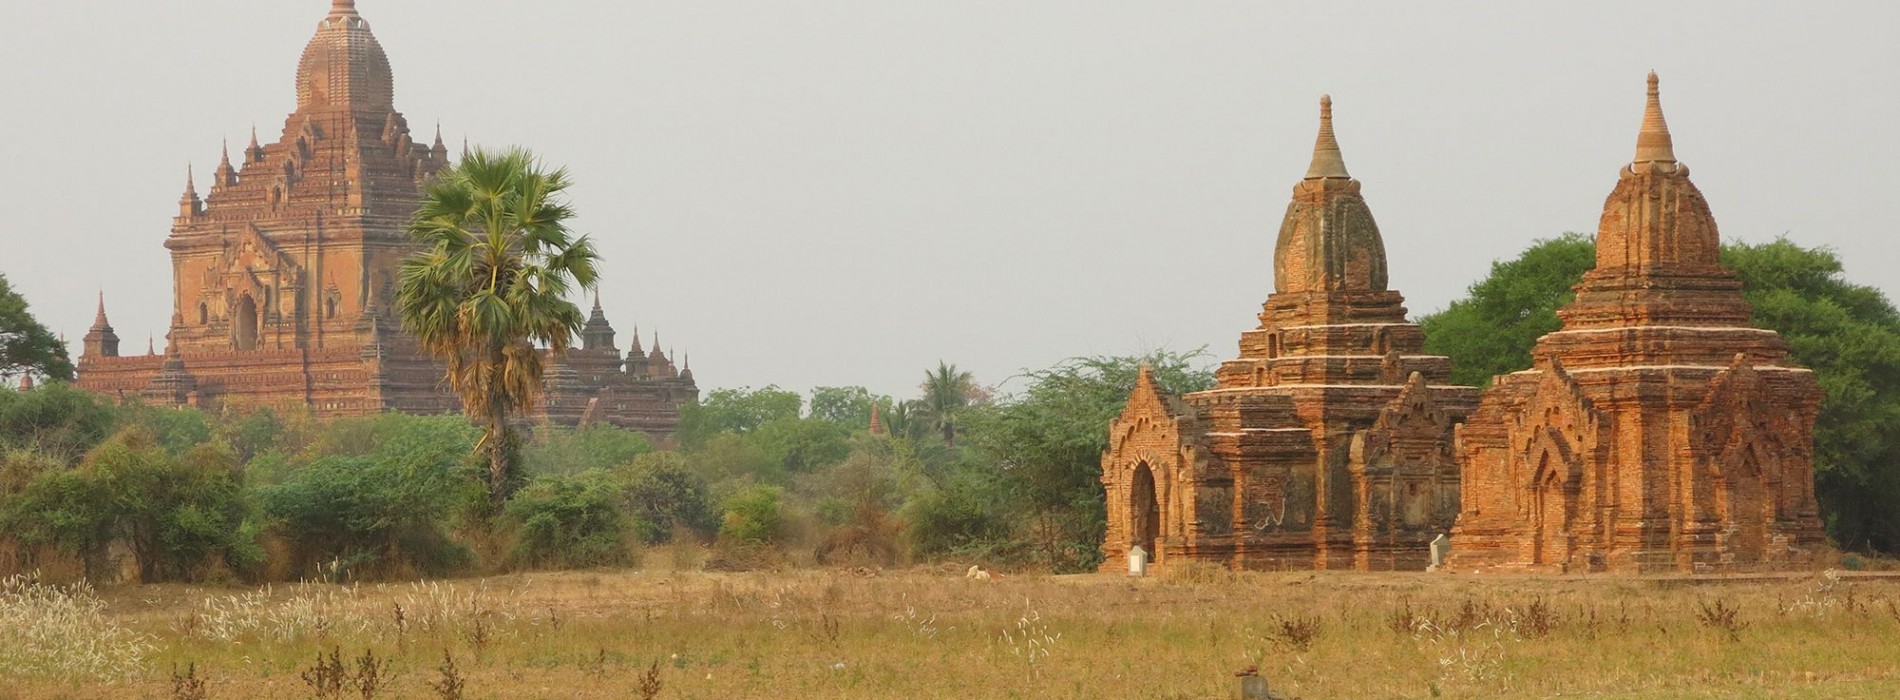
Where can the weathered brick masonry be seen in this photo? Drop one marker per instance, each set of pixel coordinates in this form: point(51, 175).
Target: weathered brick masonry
point(1326, 444)
point(285, 273)
point(1657, 430)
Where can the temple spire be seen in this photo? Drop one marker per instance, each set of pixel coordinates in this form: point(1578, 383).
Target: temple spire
point(345, 8)
point(1327, 160)
point(226, 176)
point(100, 340)
point(1653, 144)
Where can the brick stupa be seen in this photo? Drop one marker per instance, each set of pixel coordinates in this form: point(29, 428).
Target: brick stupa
point(285, 273)
point(1326, 444)
point(1657, 430)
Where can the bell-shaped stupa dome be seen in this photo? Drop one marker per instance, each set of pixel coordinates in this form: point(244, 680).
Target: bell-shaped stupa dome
point(344, 67)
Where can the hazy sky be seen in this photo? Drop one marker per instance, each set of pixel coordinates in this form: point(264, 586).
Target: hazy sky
point(827, 192)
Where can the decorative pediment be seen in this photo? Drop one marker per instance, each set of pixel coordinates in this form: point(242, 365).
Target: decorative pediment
point(1555, 428)
point(1734, 430)
point(1411, 433)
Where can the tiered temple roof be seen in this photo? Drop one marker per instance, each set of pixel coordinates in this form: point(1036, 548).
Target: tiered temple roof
point(285, 270)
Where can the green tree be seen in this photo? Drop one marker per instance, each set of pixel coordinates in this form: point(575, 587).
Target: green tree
point(26, 347)
point(948, 392)
point(740, 410)
point(176, 515)
point(664, 497)
point(801, 446)
point(492, 281)
point(357, 516)
point(752, 517)
point(571, 522)
point(1047, 444)
point(1491, 331)
point(1849, 334)
point(844, 405)
point(56, 419)
point(566, 451)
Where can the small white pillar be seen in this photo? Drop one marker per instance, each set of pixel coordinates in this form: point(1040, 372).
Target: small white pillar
point(1441, 548)
point(1137, 561)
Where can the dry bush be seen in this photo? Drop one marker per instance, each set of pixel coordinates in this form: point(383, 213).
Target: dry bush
point(650, 684)
point(327, 677)
point(1537, 619)
point(1403, 619)
point(450, 684)
point(187, 685)
point(1296, 631)
point(1721, 617)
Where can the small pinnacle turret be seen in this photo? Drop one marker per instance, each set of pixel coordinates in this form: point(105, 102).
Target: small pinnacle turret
point(1327, 159)
point(189, 204)
point(598, 334)
point(100, 340)
point(226, 175)
point(1653, 144)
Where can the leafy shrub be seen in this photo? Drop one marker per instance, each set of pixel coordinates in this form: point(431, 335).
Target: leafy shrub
point(958, 517)
point(571, 522)
point(560, 451)
point(752, 517)
point(176, 514)
point(55, 419)
point(663, 496)
point(381, 515)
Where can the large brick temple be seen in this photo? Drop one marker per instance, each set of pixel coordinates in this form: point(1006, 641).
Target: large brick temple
point(284, 273)
point(1328, 442)
point(1657, 430)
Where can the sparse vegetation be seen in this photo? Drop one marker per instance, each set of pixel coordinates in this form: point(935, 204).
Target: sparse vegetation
point(819, 634)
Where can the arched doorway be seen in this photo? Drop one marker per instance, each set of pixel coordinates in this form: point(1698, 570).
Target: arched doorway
point(245, 318)
point(1144, 520)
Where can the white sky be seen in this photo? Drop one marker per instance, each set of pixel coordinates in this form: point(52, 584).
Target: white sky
point(829, 192)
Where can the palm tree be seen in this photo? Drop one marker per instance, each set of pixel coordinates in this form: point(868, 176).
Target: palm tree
point(947, 391)
point(491, 283)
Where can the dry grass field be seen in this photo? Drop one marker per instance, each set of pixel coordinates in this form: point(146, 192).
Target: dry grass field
point(929, 632)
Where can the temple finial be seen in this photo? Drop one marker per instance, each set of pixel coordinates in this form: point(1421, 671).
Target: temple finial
point(191, 185)
point(342, 7)
point(1327, 160)
point(1653, 144)
point(596, 302)
point(99, 319)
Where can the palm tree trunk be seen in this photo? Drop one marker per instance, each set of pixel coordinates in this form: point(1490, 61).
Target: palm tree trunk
point(499, 473)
